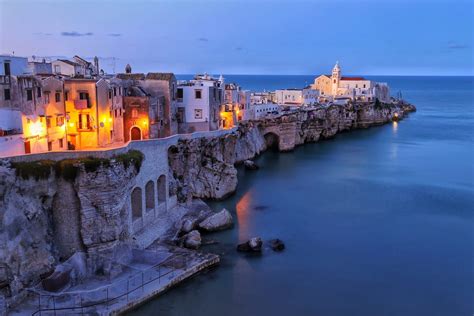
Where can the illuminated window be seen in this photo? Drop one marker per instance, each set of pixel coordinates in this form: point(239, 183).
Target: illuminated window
point(84, 121)
point(134, 113)
point(59, 120)
point(48, 122)
point(57, 97)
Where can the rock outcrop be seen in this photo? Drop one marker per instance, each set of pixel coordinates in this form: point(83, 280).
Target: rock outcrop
point(252, 245)
point(204, 167)
point(218, 221)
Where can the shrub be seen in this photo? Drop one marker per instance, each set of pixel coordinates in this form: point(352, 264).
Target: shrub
point(67, 169)
point(134, 157)
point(40, 169)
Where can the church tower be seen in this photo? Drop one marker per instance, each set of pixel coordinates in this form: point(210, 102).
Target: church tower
point(335, 78)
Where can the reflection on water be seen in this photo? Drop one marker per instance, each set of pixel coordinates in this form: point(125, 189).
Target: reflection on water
point(242, 209)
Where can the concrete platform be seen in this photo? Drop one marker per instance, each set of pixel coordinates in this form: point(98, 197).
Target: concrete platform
point(128, 290)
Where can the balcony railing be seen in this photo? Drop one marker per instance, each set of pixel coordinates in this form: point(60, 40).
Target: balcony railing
point(81, 104)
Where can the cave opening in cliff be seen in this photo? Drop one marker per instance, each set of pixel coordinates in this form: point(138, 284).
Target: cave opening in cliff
point(272, 141)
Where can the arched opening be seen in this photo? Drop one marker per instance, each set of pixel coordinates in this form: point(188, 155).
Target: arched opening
point(161, 189)
point(136, 201)
point(135, 133)
point(272, 141)
point(150, 195)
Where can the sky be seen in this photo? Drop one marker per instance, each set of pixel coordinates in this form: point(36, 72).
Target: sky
point(367, 37)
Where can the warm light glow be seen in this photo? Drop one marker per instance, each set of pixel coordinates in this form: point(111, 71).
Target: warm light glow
point(237, 111)
point(145, 122)
point(35, 128)
point(222, 114)
point(396, 114)
point(71, 124)
point(110, 119)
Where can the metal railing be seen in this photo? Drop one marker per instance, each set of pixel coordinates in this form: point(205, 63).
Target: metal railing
point(83, 301)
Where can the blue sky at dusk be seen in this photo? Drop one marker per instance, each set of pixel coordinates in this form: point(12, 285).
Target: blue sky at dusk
point(417, 37)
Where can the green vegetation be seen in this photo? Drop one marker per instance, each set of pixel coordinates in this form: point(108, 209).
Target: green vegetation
point(134, 157)
point(40, 169)
point(68, 169)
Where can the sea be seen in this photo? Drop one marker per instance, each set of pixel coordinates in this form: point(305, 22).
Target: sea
point(377, 221)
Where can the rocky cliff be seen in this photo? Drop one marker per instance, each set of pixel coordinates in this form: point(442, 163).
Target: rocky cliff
point(205, 168)
point(47, 214)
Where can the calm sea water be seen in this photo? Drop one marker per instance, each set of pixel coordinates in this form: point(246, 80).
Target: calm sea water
point(376, 221)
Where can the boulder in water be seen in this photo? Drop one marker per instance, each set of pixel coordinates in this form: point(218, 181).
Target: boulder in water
point(250, 165)
point(253, 245)
point(218, 221)
point(277, 245)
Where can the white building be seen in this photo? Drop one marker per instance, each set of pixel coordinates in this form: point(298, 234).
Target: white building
point(11, 133)
point(289, 96)
point(198, 103)
point(13, 65)
point(265, 109)
point(68, 68)
point(357, 88)
point(310, 96)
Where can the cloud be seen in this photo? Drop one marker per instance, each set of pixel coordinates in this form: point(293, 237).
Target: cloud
point(114, 34)
point(76, 34)
point(453, 45)
point(203, 39)
point(239, 48)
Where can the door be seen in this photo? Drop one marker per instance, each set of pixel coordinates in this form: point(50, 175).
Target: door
point(27, 147)
point(135, 133)
point(72, 142)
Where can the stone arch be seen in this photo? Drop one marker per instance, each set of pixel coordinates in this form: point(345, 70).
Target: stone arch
point(161, 186)
point(272, 140)
point(136, 202)
point(150, 195)
point(135, 133)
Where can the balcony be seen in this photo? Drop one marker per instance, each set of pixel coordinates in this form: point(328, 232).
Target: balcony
point(81, 104)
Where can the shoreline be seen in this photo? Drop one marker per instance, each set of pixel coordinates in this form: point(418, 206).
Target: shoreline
point(198, 167)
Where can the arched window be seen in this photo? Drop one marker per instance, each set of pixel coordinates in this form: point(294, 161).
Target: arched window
point(136, 201)
point(150, 196)
point(161, 183)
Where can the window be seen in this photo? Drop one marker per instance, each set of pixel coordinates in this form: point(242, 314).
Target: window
point(84, 96)
point(134, 113)
point(197, 94)
point(179, 93)
point(115, 91)
point(7, 94)
point(61, 143)
point(57, 69)
point(110, 94)
point(57, 97)
point(59, 120)
point(364, 85)
point(48, 122)
point(7, 68)
point(198, 114)
point(84, 122)
point(115, 113)
point(38, 91)
point(66, 96)
point(29, 94)
point(50, 146)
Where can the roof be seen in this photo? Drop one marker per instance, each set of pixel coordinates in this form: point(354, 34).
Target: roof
point(353, 78)
point(160, 76)
point(82, 59)
point(69, 62)
point(137, 76)
point(135, 91)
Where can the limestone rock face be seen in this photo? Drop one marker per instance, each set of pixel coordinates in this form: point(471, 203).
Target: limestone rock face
point(192, 240)
point(204, 167)
point(219, 221)
point(44, 221)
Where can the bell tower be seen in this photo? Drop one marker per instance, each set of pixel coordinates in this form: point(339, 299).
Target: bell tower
point(335, 78)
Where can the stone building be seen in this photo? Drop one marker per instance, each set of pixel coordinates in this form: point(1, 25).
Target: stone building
point(136, 117)
point(88, 111)
point(336, 86)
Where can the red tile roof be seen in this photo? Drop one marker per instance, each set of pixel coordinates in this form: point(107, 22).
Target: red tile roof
point(353, 78)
